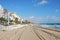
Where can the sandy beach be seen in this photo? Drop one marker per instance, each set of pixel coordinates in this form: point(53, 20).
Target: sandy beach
point(30, 32)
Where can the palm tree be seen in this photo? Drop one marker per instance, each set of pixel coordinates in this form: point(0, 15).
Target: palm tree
point(3, 20)
point(16, 20)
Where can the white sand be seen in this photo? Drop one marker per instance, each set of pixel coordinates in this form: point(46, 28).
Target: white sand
point(11, 27)
point(30, 32)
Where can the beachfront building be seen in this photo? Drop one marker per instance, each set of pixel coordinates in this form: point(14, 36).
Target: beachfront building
point(13, 15)
point(5, 14)
point(9, 16)
point(1, 10)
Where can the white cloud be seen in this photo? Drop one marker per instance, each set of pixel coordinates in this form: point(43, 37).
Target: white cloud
point(31, 17)
point(56, 10)
point(42, 2)
point(39, 3)
point(43, 19)
point(55, 18)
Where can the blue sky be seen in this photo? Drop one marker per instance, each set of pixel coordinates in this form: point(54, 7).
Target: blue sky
point(34, 10)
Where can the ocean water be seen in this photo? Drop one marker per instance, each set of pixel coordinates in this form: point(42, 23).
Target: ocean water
point(49, 25)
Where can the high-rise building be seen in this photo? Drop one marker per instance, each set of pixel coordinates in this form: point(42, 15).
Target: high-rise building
point(1, 11)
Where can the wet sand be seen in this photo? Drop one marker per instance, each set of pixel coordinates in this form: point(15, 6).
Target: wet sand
point(30, 32)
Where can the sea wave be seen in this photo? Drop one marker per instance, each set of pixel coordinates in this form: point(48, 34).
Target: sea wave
point(51, 26)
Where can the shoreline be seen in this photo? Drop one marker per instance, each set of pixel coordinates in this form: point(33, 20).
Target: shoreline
point(16, 26)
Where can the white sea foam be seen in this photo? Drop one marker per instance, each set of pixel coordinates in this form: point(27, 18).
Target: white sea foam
point(51, 26)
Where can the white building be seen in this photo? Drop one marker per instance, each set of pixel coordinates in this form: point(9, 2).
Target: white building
point(1, 10)
point(13, 15)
